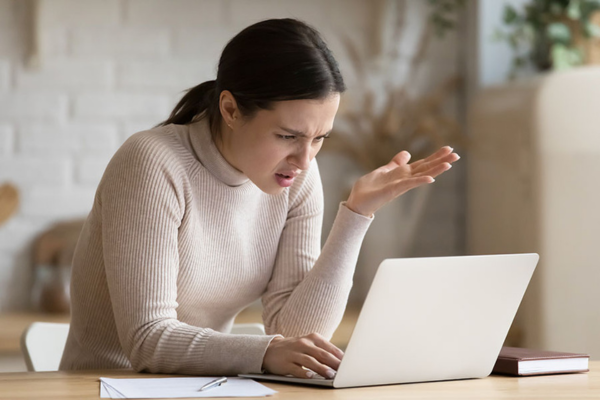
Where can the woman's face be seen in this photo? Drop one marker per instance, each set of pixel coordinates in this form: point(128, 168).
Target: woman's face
point(275, 145)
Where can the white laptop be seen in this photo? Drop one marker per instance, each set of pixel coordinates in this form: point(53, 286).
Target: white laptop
point(431, 319)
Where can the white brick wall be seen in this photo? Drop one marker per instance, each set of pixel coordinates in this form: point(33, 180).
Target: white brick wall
point(68, 140)
point(67, 74)
point(103, 106)
point(47, 202)
point(6, 140)
point(125, 42)
point(37, 106)
point(4, 75)
point(168, 13)
point(109, 69)
point(166, 75)
point(86, 13)
point(30, 171)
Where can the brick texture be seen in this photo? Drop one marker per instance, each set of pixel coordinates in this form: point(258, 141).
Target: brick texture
point(171, 75)
point(125, 42)
point(65, 140)
point(156, 13)
point(121, 105)
point(6, 140)
point(85, 13)
point(4, 75)
point(29, 106)
point(67, 74)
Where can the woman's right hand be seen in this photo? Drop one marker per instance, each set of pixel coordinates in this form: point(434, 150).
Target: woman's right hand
point(287, 356)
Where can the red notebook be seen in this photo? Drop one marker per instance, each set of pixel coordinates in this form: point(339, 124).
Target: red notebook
point(525, 362)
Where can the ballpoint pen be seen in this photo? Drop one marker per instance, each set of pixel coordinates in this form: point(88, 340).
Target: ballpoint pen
point(215, 383)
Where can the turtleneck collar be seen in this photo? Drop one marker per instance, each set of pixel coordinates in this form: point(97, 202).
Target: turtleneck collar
point(210, 156)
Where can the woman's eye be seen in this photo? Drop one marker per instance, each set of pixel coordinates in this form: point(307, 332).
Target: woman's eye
point(320, 138)
point(287, 137)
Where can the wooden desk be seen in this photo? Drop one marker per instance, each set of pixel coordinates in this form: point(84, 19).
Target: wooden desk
point(85, 385)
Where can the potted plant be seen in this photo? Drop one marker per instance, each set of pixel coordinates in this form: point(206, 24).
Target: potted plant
point(552, 34)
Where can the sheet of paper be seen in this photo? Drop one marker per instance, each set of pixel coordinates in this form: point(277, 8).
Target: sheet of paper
point(155, 388)
point(107, 392)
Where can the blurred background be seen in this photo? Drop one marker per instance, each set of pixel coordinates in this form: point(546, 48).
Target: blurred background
point(511, 85)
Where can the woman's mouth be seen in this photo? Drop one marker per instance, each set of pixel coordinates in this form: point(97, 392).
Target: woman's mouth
point(284, 180)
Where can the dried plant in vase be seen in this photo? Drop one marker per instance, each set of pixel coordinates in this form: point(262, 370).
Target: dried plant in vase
point(389, 117)
point(418, 124)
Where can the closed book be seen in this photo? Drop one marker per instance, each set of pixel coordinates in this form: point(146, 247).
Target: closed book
point(517, 361)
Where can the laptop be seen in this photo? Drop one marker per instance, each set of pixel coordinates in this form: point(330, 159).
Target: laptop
point(431, 319)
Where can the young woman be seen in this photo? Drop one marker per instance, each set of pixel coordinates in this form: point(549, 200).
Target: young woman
point(221, 205)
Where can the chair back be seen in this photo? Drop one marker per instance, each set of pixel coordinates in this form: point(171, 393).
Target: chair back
point(42, 345)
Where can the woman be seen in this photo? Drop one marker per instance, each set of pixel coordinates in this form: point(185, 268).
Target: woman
point(221, 205)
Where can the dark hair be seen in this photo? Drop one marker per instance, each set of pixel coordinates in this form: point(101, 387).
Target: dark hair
point(272, 60)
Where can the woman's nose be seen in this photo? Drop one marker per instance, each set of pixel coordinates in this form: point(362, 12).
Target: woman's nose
point(302, 157)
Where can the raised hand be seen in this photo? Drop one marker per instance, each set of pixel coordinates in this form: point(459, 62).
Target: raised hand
point(287, 356)
point(384, 184)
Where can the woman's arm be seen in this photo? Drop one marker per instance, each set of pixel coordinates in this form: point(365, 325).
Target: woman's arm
point(309, 288)
point(142, 203)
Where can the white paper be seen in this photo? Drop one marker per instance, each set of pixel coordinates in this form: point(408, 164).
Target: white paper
point(155, 388)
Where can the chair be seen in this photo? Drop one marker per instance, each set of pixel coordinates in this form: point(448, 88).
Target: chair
point(42, 343)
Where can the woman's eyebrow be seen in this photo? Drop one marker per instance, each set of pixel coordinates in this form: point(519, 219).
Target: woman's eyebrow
point(299, 133)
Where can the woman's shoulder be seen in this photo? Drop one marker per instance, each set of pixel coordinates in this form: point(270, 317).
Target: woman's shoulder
point(160, 145)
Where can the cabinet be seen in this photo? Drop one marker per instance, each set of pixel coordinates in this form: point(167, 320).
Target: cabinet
point(533, 186)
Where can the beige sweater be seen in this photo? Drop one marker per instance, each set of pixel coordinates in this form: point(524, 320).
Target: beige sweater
point(178, 242)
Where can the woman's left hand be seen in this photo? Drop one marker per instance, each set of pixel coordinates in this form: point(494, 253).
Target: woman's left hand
point(384, 184)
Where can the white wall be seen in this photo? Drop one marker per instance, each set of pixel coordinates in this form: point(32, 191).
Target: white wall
point(114, 67)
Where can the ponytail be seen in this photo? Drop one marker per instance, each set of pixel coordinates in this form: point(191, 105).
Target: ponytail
point(194, 105)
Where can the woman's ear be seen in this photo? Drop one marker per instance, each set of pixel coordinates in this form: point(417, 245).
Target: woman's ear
point(228, 107)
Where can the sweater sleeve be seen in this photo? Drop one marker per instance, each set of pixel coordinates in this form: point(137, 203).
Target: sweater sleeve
point(142, 203)
point(309, 289)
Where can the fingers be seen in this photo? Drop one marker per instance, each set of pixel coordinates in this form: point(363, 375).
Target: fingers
point(319, 355)
point(435, 170)
point(401, 158)
point(423, 167)
point(445, 154)
point(324, 357)
point(311, 363)
point(327, 345)
point(405, 185)
point(300, 372)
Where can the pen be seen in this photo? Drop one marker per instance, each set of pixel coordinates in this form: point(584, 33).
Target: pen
point(215, 383)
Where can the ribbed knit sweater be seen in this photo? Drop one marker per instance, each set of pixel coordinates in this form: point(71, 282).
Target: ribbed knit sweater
point(178, 242)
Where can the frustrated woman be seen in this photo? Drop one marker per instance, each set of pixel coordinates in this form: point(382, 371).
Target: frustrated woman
point(221, 205)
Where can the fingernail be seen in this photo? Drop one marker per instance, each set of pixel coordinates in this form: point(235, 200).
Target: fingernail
point(310, 374)
point(330, 373)
point(457, 157)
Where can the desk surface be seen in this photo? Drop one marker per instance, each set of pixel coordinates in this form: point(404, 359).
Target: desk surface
point(85, 385)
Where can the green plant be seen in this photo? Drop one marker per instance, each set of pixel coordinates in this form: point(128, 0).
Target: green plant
point(443, 14)
point(550, 34)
